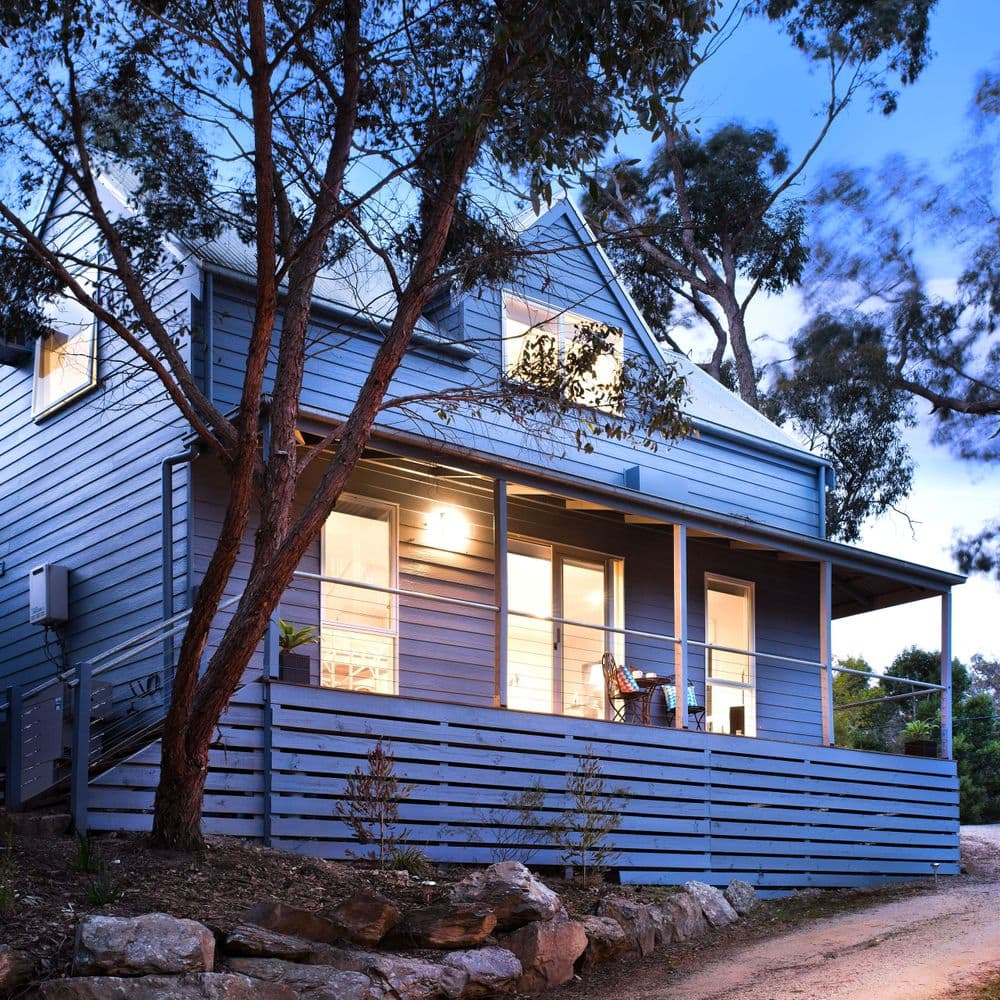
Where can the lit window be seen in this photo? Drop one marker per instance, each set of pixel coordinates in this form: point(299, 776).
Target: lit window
point(65, 359)
point(539, 343)
point(730, 681)
point(359, 625)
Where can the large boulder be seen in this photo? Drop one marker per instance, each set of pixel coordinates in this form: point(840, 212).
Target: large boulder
point(547, 950)
point(15, 969)
point(636, 920)
point(605, 940)
point(193, 986)
point(277, 916)
point(155, 943)
point(444, 926)
point(366, 917)
point(713, 904)
point(401, 975)
point(489, 972)
point(317, 982)
point(684, 916)
point(741, 896)
point(258, 942)
point(511, 891)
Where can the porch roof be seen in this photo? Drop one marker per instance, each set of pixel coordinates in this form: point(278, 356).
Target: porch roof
point(862, 581)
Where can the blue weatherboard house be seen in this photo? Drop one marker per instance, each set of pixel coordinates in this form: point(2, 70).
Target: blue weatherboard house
point(491, 599)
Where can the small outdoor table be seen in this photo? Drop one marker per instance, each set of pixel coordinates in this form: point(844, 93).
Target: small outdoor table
point(651, 685)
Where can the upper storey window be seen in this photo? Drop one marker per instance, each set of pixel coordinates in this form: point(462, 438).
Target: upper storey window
point(65, 360)
point(563, 352)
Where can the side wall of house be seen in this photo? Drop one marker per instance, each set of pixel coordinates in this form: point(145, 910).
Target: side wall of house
point(81, 488)
point(713, 472)
point(447, 653)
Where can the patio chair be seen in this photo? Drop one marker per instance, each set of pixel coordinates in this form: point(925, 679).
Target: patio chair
point(623, 691)
point(696, 712)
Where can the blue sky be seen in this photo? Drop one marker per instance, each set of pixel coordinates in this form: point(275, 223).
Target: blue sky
point(760, 79)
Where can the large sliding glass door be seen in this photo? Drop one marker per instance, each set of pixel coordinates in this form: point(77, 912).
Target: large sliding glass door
point(562, 603)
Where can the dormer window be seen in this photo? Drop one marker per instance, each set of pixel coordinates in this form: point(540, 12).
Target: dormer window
point(65, 360)
point(540, 345)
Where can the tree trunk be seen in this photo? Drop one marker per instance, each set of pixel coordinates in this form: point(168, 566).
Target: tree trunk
point(177, 819)
point(745, 374)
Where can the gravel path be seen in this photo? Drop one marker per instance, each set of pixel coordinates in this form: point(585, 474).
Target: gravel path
point(928, 947)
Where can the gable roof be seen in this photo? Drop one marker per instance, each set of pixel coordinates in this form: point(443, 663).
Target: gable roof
point(709, 404)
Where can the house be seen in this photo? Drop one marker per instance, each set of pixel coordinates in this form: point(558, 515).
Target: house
point(466, 591)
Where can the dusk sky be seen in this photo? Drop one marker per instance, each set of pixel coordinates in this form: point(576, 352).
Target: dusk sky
point(761, 79)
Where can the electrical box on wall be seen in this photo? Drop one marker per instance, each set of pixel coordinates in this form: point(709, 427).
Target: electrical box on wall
point(48, 595)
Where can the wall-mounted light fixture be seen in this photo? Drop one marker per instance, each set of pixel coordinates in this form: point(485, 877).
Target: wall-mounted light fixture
point(447, 528)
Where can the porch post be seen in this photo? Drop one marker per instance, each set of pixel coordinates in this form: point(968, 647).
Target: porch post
point(15, 746)
point(500, 591)
point(269, 674)
point(681, 624)
point(826, 648)
point(80, 758)
point(946, 675)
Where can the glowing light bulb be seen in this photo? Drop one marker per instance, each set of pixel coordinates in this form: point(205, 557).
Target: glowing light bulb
point(447, 528)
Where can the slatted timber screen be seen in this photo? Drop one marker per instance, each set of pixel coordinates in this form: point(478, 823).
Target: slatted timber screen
point(696, 805)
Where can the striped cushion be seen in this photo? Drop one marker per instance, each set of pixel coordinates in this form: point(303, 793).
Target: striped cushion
point(670, 694)
point(627, 683)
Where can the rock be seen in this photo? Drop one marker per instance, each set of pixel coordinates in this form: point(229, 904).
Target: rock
point(258, 942)
point(154, 943)
point(682, 912)
point(547, 950)
point(605, 940)
point(193, 986)
point(34, 826)
point(713, 904)
point(318, 982)
point(366, 917)
point(490, 972)
point(401, 975)
point(741, 896)
point(511, 891)
point(636, 920)
point(444, 926)
point(276, 916)
point(15, 969)
point(662, 927)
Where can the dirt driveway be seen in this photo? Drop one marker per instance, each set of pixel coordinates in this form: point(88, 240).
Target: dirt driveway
point(931, 946)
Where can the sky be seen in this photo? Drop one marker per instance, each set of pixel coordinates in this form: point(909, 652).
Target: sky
point(760, 79)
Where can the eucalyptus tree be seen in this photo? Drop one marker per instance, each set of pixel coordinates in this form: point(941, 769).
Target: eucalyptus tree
point(712, 222)
point(314, 131)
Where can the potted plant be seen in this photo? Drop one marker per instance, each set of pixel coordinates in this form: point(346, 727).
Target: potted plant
point(294, 666)
point(918, 739)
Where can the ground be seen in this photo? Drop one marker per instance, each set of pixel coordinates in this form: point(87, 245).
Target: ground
point(914, 942)
point(939, 944)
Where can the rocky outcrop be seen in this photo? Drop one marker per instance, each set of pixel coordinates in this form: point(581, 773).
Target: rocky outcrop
point(547, 951)
point(15, 969)
point(444, 926)
point(317, 982)
point(194, 986)
point(606, 940)
point(152, 944)
point(683, 914)
point(365, 918)
point(741, 896)
point(635, 919)
point(489, 972)
point(510, 891)
point(713, 904)
point(276, 916)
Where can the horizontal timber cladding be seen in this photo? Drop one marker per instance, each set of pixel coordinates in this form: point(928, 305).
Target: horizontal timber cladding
point(780, 815)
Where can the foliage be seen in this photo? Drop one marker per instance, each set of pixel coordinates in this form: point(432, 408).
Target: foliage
point(594, 813)
point(517, 826)
point(103, 888)
point(8, 876)
point(835, 395)
point(985, 676)
point(411, 860)
point(291, 636)
point(88, 857)
point(370, 803)
point(917, 729)
point(866, 727)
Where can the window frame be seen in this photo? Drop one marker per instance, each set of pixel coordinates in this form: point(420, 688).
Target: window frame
point(40, 412)
point(391, 633)
point(566, 321)
point(750, 726)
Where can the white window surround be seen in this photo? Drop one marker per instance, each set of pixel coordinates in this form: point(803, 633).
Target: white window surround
point(65, 365)
point(547, 321)
point(731, 691)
